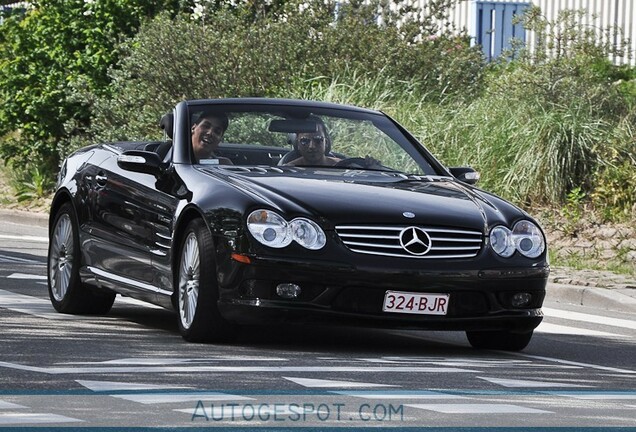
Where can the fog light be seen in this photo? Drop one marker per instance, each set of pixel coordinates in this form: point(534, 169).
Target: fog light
point(288, 290)
point(521, 300)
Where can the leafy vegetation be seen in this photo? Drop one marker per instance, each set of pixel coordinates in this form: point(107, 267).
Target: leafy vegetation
point(540, 126)
point(57, 46)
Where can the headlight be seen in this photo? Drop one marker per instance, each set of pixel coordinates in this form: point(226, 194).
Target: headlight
point(525, 237)
point(308, 234)
point(272, 230)
point(501, 241)
point(269, 228)
point(528, 239)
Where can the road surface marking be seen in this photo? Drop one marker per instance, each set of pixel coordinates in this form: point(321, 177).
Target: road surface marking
point(16, 260)
point(478, 409)
point(528, 383)
point(26, 276)
point(25, 238)
point(113, 386)
point(178, 397)
point(567, 362)
point(10, 405)
point(596, 395)
point(595, 319)
point(11, 418)
point(399, 394)
point(321, 383)
point(230, 369)
point(30, 305)
point(549, 328)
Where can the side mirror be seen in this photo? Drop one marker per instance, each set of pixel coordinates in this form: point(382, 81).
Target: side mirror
point(140, 161)
point(465, 174)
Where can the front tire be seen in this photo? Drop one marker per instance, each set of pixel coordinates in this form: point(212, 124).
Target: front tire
point(197, 288)
point(499, 340)
point(67, 293)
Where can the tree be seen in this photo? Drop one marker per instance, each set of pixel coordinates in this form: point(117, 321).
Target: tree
point(57, 46)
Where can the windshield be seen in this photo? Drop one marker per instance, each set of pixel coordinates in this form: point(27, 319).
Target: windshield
point(303, 137)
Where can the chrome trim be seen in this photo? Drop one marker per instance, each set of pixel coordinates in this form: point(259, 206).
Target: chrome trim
point(450, 243)
point(163, 236)
point(120, 279)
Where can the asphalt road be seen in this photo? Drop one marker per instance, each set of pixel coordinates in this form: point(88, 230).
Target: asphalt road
point(132, 369)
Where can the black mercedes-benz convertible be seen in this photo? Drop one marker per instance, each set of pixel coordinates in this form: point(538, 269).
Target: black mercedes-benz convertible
point(255, 211)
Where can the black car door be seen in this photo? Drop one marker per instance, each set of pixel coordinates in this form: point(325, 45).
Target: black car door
point(130, 224)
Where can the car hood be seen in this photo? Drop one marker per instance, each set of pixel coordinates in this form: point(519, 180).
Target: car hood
point(356, 196)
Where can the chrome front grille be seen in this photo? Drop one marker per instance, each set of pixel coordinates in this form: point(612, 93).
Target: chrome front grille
point(385, 241)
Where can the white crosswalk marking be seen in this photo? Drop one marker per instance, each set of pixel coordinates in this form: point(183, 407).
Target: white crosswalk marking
point(322, 383)
point(478, 409)
point(19, 418)
point(399, 394)
point(528, 383)
point(595, 319)
point(550, 328)
point(24, 238)
point(23, 415)
point(26, 276)
point(16, 260)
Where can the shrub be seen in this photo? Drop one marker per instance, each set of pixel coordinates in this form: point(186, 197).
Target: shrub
point(223, 54)
point(55, 46)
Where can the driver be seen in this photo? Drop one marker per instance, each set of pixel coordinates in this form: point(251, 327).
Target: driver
point(314, 147)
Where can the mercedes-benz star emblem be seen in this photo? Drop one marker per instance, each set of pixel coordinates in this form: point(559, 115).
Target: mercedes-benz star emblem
point(415, 241)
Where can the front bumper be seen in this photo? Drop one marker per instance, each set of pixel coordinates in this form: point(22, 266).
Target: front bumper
point(333, 293)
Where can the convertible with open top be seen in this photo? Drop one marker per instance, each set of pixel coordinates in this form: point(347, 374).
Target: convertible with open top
point(373, 231)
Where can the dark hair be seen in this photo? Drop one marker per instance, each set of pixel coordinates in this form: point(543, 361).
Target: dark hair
point(225, 122)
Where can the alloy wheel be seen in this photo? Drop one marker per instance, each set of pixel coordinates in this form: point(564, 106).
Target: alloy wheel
point(189, 280)
point(61, 257)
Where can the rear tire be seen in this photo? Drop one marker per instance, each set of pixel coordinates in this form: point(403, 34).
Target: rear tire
point(499, 340)
point(67, 293)
point(197, 288)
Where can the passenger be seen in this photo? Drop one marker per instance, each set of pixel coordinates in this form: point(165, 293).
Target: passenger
point(314, 147)
point(207, 134)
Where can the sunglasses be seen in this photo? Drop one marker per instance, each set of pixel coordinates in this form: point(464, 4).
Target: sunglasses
point(317, 140)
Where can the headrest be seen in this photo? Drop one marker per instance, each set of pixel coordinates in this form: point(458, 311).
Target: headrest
point(167, 124)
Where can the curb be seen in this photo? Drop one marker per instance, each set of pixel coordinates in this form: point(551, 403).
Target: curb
point(623, 300)
point(25, 217)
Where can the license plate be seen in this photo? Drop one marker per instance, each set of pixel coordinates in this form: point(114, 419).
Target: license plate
point(415, 303)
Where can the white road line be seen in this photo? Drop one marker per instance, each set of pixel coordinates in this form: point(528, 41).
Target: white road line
point(113, 386)
point(399, 394)
point(597, 395)
point(26, 276)
point(10, 405)
point(228, 369)
point(16, 260)
point(595, 319)
point(545, 327)
point(24, 238)
point(161, 361)
point(478, 409)
point(11, 418)
point(572, 363)
point(30, 305)
point(322, 383)
point(159, 398)
point(528, 383)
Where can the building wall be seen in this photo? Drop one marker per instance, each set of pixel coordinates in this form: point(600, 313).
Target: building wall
point(601, 15)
